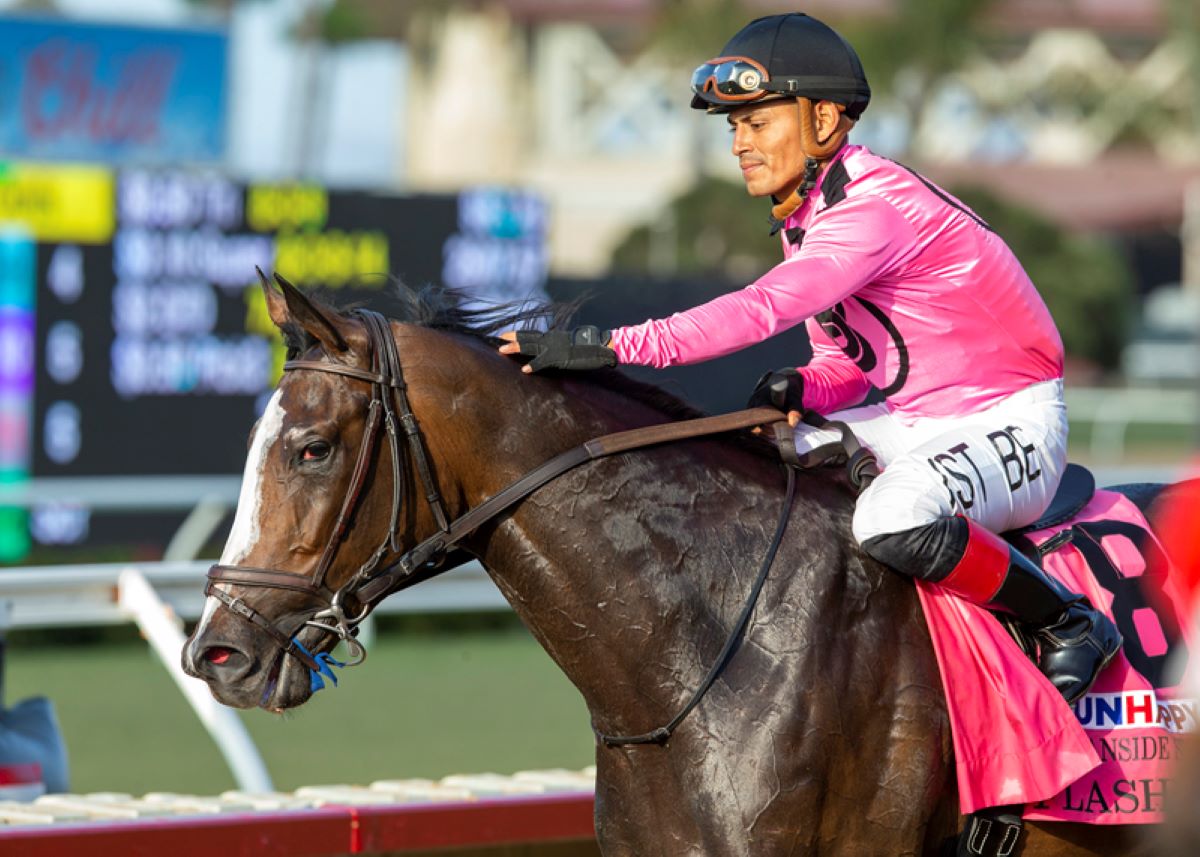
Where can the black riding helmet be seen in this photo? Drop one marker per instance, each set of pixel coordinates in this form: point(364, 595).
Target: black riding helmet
point(801, 57)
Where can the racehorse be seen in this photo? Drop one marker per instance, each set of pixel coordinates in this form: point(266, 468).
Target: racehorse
point(825, 733)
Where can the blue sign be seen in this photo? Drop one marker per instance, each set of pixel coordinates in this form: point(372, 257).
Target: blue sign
point(115, 94)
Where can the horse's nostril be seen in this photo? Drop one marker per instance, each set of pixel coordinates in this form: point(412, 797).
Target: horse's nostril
point(217, 655)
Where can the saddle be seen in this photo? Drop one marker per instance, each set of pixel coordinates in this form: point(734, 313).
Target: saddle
point(1075, 491)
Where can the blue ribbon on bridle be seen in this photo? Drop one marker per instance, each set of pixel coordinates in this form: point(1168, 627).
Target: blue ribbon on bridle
point(326, 663)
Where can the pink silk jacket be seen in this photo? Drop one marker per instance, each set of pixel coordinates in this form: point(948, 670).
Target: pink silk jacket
point(901, 286)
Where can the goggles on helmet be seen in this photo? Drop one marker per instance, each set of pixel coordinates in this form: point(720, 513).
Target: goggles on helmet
point(732, 80)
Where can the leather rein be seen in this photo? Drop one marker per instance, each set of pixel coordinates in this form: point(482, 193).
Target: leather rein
point(389, 412)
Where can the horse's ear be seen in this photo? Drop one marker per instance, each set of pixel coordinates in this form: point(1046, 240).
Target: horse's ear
point(309, 316)
point(277, 307)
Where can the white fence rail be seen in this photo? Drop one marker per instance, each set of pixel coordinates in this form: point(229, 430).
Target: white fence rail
point(158, 596)
point(56, 596)
point(137, 598)
point(1111, 411)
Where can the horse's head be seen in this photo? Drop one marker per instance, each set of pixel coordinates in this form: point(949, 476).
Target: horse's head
point(313, 518)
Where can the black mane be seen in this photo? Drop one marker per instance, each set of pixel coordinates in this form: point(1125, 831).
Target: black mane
point(453, 311)
point(443, 308)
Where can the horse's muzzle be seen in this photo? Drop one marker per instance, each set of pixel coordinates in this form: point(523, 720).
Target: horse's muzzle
point(225, 668)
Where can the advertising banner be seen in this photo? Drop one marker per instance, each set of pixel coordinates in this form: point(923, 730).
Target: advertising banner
point(114, 94)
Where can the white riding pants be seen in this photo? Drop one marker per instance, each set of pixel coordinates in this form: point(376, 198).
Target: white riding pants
point(999, 467)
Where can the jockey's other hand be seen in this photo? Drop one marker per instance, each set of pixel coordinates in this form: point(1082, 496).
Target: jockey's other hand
point(783, 390)
point(582, 348)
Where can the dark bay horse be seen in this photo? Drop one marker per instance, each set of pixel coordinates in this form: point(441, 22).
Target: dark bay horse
point(827, 732)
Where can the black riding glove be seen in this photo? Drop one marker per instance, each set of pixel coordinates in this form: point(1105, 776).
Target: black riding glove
point(582, 348)
point(782, 389)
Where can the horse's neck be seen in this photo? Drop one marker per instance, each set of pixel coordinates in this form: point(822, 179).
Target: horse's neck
point(649, 551)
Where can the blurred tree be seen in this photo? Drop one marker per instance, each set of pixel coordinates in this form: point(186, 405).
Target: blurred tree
point(1185, 24)
point(716, 229)
point(920, 41)
point(1085, 281)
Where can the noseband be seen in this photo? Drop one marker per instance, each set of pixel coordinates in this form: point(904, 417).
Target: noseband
point(389, 410)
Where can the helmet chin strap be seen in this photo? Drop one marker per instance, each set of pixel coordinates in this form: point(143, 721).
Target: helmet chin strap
point(815, 154)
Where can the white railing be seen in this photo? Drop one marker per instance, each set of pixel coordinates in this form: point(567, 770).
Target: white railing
point(123, 493)
point(1111, 412)
point(56, 596)
point(163, 630)
point(158, 596)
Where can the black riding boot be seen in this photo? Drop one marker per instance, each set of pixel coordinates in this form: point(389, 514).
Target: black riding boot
point(1075, 640)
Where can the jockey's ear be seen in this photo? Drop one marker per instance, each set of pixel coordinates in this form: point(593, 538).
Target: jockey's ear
point(322, 325)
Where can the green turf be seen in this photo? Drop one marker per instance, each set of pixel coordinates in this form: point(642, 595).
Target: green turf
point(422, 705)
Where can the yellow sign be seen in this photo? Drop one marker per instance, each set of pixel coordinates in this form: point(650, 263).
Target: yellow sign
point(272, 207)
point(334, 258)
point(68, 203)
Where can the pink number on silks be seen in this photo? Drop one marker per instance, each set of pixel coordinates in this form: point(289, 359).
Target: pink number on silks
point(1148, 648)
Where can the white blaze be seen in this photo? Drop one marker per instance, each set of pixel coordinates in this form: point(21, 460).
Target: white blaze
point(245, 531)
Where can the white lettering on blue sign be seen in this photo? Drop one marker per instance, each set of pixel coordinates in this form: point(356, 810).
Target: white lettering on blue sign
point(1136, 709)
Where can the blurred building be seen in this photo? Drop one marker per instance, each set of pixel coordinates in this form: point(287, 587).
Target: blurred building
point(577, 101)
point(1085, 110)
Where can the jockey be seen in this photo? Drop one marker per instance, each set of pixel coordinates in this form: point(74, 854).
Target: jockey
point(904, 290)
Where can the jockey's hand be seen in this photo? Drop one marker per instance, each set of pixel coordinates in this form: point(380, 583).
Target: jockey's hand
point(583, 348)
point(783, 390)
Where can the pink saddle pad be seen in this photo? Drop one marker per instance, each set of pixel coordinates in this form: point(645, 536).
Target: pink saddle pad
point(1106, 759)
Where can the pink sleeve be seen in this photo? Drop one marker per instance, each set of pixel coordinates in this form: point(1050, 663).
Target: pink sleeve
point(844, 249)
point(832, 380)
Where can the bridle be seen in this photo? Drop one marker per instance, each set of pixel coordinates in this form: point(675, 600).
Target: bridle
point(389, 411)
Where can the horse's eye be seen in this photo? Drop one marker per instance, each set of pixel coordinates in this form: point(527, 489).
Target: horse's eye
point(318, 450)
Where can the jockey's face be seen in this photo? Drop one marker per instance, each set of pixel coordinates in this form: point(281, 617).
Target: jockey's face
point(766, 142)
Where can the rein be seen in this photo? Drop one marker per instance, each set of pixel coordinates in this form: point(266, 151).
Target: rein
point(389, 410)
